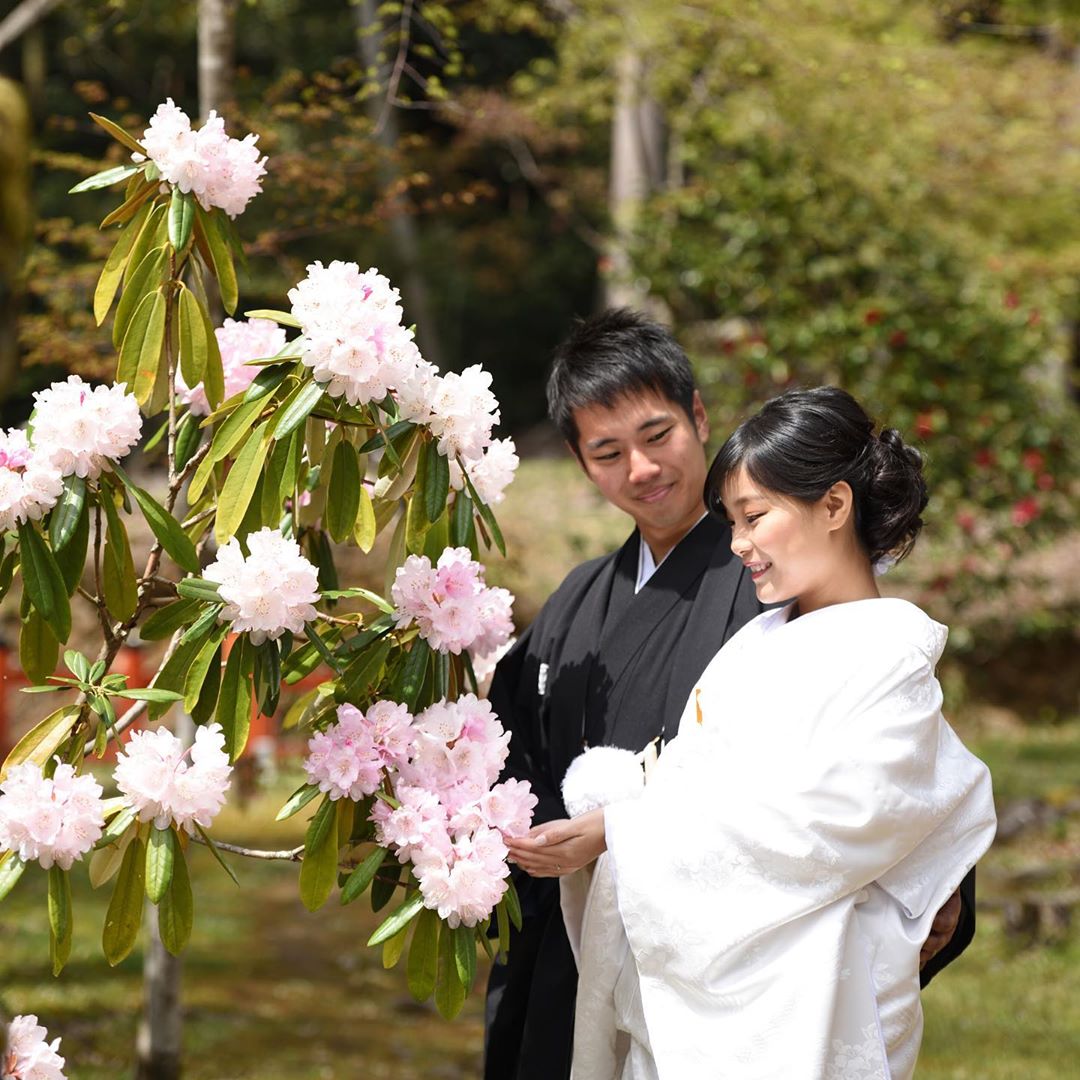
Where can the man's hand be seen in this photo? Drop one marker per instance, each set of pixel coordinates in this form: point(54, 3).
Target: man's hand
point(945, 923)
point(557, 848)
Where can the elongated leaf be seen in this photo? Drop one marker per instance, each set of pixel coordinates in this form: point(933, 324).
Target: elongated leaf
point(217, 854)
point(393, 947)
point(167, 620)
point(393, 433)
point(65, 516)
point(59, 918)
point(71, 558)
point(359, 591)
point(176, 912)
point(151, 234)
point(141, 282)
point(282, 318)
point(221, 262)
point(318, 872)
point(117, 827)
point(488, 517)
point(174, 673)
point(161, 853)
point(200, 666)
point(151, 693)
point(113, 271)
point(118, 572)
point(297, 801)
point(365, 530)
point(7, 571)
point(513, 904)
point(201, 626)
point(449, 993)
point(416, 665)
point(297, 408)
point(106, 862)
point(11, 869)
point(416, 524)
point(145, 340)
point(181, 221)
point(269, 379)
point(43, 581)
point(364, 673)
point(195, 588)
point(240, 483)
point(385, 884)
point(503, 920)
point(163, 525)
point(398, 919)
point(462, 529)
point(234, 701)
point(38, 649)
point(423, 963)
point(343, 496)
point(465, 955)
point(316, 641)
point(192, 329)
point(188, 437)
point(130, 206)
point(105, 178)
point(358, 881)
point(436, 483)
point(118, 133)
point(124, 916)
point(267, 675)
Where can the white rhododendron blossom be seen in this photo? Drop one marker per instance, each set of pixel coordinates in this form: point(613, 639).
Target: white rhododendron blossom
point(82, 428)
point(463, 412)
point(157, 779)
point(353, 339)
point(450, 604)
point(50, 820)
point(28, 1055)
point(271, 591)
point(453, 818)
point(30, 483)
point(491, 473)
point(238, 341)
point(415, 391)
point(217, 170)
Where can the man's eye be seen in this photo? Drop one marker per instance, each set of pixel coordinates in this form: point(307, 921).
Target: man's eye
point(660, 434)
point(607, 457)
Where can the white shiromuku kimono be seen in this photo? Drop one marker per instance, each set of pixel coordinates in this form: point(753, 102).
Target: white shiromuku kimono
point(760, 909)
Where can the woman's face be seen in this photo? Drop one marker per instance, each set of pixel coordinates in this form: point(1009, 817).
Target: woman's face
point(789, 547)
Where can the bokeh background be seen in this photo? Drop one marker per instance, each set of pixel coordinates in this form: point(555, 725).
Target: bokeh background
point(883, 194)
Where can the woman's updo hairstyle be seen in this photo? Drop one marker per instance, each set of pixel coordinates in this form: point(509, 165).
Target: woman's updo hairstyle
point(804, 441)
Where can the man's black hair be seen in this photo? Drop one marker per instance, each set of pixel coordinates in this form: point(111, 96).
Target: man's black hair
point(610, 355)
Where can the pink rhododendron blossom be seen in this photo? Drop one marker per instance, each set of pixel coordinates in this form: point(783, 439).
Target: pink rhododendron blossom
point(55, 820)
point(450, 603)
point(271, 590)
point(491, 472)
point(419, 824)
point(463, 412)
point(82, 428)
point(27, 1055)
point(30, 483)
point(217, 170)
point(155, 778)
point(465, 887)
point(238, 342)
point(509, 807)
point(415, 391)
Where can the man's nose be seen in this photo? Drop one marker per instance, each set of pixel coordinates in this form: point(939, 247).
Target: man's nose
point(642, 467)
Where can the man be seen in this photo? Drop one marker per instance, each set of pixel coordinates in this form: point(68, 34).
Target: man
point(616, 651)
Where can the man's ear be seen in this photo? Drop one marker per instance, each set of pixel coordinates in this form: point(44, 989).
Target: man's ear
point(701, 418)
point(838, 503)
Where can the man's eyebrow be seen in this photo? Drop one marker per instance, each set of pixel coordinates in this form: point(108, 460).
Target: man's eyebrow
point(646, 425)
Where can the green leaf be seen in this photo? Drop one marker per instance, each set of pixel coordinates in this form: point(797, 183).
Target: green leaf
point(142, 282)
point(297, 801)
point(437, 539)
point(416, 524)
point(196, 588)
point(214, 379)
point(105, 178)
point(118, 133)
point(118, 825)
point(43, 581)
point(77, 664)
point(202, 624)
point(393, 947)
point(217, 854)
point(297, 407)
point(449, 993)
point(65, 517)
point(283, 318)
point(118, 570)
point(113, 271)
point(423, 963)
point(465, 955)
point(188, 437)
point(167, 620)
point(357, 882)
point(38, 649)
point(7, 571)
point(192, 338)
point(71, 558)
point(143, 345)
point(316, 641)
point(503, 920)
point(240, 483)
point(200, 666)
point(269, 379)
point(359, 591)
point(400, 918)
point(151, 234)
point(488, 517)
point(176, 912)
point(11, 869)
point(513, 904)
point(234, 700)
point(174, 673)
point(163, 525)
point(181, 220)
point(124, 916)
point(150, 693)
point(136, 198)
point(365, 530)
point(318, 871)
point(267, 675)
point(161, 854)
point(462, 529)
point(392, 433)
point(364, 673)
point(412, 680)
point(385, 884)
point(436, 483)
point(221, 262)
point(59, 918)
point(343, 495)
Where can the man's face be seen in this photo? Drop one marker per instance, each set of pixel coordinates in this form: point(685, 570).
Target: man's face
point(647, 457)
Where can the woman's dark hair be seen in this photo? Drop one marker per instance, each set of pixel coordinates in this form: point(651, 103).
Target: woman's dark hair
point(804, 441)
point(612, 354)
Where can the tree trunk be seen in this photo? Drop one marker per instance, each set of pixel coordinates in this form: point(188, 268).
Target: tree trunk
point(217, 39)
point(403, 231)
point(15, 217)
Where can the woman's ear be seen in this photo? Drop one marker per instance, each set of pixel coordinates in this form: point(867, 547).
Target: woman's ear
point(838, 503)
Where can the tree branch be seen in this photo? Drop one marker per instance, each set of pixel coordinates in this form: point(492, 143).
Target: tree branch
point(291, 855)
point(22, 18)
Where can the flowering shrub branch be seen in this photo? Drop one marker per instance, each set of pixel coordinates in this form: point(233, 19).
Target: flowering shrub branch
point(285, 434)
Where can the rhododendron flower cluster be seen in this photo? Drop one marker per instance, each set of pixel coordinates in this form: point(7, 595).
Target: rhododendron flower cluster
point(450, 603)
point(463, 412)
point(490, 473)
point(27, 1055)
point(217, 170)
point(348, 759)
point(238, 341)
point(30, 483)
point(353, 339)
point(82, 428)
point(55, 820)
point(156, 779)
point(270, 591)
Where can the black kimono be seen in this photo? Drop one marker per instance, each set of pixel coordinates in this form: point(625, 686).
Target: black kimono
point(602, 666)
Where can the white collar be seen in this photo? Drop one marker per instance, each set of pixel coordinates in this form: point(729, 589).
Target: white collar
point(646, 565)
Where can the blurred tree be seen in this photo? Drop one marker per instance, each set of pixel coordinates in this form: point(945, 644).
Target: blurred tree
point(15, 220)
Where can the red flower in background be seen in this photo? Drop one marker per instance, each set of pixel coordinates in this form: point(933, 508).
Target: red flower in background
point(1045, 481)
point(1024, 512)
point(898, 339)
point(872, 317)
point(966, 520)
point(924, 425)
point(985, 458)
point(1033, 460)
point(1011, 300)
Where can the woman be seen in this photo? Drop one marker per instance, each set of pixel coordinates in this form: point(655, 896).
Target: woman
point(759, 908)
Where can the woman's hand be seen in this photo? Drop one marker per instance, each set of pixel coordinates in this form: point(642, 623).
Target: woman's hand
point(560, 847)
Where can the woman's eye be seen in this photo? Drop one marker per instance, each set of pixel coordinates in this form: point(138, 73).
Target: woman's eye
point(751, 518)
